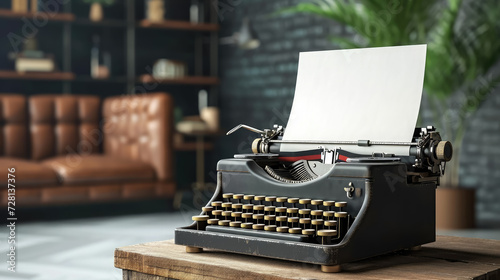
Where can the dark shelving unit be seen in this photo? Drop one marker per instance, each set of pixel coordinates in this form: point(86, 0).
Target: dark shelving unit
point(136, 43)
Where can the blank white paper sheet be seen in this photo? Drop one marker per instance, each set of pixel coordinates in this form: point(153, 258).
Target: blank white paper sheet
point(360, 94)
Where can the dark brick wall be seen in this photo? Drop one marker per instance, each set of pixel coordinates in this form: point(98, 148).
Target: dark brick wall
point(258, 85)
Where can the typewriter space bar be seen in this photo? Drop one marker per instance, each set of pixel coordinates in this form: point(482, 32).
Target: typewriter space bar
point(258, 233)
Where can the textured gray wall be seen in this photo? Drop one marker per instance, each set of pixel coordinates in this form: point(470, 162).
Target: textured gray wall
point(257, 89)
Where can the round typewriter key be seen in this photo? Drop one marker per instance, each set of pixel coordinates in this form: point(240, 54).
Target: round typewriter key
point(304, 201)
point(258, 217)
point(317, 202)
point(207, 209)
point(227, 196)
point(258, 208)
point(329, 204)
point(304, 222)
point(270, 219)
point(216, 204)
point(246, 215)
point(282, 229)
point(258, 226)
point(305, 212)
point(270, 198)
point(226, 205)
point(224, 222)
point(293, 201)
point(281, 219)
point(247, 207)
point(317, 213)
point(292, 211)
point(200, 218)
point(295, 230)
point(247, 225)
point(216, 213)
point(330, 224)
point(248, 197)
point(282, 200)
point(309, 232)
point(280, 209)
point(340, 204)
point(270, 228)
point(317, 223)
point(292, 221)
point(340, 214)
point(236, 215)
point(235, 224)
point(259, 198)
point(226, 213)
point(213, 221)
point(326, 234)
point(328, 214)
point(269, 209)
point(236, 206)
point(237, 196)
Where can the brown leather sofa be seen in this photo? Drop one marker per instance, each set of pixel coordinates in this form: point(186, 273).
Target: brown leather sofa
point(64, 152)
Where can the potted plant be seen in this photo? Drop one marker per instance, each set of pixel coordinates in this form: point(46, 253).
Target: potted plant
point(463, 47)
point(96, 12)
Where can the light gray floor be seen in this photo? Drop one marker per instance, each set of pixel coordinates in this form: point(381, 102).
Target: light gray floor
point(83, 248)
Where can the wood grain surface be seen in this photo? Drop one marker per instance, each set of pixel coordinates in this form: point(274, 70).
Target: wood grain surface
point(447, 258)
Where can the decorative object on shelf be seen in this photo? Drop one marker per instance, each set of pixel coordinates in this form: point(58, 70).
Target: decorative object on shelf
point(98, 70)
point(19, 6)
point(96, 12)
point(34, 6)
point(31, 59)
point(210, 115)
point(245, 39)
point(191, 124)
point(196, 12)
point(155, 10)
point(167, 68)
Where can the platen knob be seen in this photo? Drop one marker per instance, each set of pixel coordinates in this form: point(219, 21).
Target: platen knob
point(444, 150)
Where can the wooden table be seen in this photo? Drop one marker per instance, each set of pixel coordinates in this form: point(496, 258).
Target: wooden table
point(447, 258)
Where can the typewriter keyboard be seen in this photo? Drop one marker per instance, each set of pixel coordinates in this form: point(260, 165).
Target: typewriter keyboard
point(291, 219)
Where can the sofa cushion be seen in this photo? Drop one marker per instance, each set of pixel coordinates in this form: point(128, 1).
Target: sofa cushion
point(78, 169)
point(27, 173)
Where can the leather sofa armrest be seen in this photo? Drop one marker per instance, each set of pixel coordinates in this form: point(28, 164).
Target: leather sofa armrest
point(140, 128)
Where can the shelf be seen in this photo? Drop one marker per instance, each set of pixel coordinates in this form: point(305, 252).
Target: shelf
point(61, 76)
point(179, 25)
point(191, 146)
point(188, 80)
point(5, 13)
point(87, 79)
point(103, 23)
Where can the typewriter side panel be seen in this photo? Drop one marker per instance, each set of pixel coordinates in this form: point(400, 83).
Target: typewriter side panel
point(397, 215)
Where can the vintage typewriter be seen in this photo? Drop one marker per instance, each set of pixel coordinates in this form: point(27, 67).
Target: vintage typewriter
point(322, 206)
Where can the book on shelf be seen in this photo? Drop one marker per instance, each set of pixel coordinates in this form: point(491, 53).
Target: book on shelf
point(24, 64)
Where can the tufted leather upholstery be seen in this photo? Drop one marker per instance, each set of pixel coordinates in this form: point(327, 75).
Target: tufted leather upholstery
point(63, 124)
point(13, 126)
point(141, 128)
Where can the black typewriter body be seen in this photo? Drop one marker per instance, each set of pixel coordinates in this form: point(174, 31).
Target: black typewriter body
point(384, 208)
